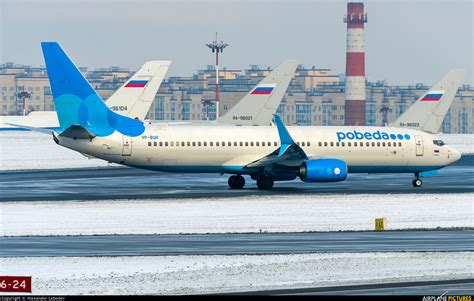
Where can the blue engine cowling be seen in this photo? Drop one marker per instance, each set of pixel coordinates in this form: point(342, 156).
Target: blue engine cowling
point(323, 170)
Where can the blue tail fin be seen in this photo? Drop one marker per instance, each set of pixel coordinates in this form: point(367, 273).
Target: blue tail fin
point(77, 103)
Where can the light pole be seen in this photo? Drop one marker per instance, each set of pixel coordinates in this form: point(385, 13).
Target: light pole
point(216, 47)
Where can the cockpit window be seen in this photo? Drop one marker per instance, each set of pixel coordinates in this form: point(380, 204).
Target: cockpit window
point(438, 142)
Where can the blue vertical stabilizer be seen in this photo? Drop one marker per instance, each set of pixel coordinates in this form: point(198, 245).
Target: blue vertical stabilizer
point(77, 103)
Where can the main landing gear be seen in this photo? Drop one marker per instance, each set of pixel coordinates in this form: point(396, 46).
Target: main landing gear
point(236, 182)
point(417, 182)
point(265, 183)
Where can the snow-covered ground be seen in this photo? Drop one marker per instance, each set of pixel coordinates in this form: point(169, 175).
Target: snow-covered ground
point(212, 274)
point(278, 213)
point(30, 150)
point(462, 142)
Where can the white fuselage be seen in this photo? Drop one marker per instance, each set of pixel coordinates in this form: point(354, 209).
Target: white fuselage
point(228, 149)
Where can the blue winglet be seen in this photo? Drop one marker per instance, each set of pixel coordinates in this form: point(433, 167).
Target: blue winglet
point(285, 138)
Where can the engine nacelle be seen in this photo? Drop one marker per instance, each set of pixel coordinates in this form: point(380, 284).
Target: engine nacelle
point(323, 170)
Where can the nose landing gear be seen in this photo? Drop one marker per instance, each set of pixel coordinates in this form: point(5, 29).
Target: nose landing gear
point(236, 182)
point(417, 182)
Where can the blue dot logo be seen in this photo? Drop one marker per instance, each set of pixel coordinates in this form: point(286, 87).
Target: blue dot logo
point(393, 136)
point(407, 137)
point(400, 136)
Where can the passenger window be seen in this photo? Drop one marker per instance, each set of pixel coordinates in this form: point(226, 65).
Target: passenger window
point(325, 144)
point(337, 143)
point(257, 143)
point(332, 144)
point(320, 144)
point(383, 143)
point(275, 143)
point(230, 143)
point(348, 144)
point(194, 143)
point(246, 143)
point(355, 143)
point(211, 143)
point(166, 143)
point(171, 143)
point(161, 143)
point(182, 143)
point(389, 144)
point(400, 144)
point(155, 144)
point(149, 143)
point(309, 144)
point(251, 143)
point(189, 143)
point(343, 143)
point(373, 144)
point(205, 143)
point(303, 144)
point(241, 143)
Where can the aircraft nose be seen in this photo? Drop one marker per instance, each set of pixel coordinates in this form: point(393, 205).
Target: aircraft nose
point(455, 155)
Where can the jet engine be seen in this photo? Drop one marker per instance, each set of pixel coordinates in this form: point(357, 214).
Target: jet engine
point(323, 170)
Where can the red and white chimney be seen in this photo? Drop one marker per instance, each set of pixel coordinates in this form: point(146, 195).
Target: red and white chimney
point(355, 64)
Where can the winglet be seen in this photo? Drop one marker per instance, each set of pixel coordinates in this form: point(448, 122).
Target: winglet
point(285, 138)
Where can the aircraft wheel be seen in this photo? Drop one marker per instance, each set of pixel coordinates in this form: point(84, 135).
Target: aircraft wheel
point(236, 182)
point(265, 184)
point(417, 182)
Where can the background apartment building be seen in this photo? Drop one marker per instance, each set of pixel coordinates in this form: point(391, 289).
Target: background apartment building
point(314, 97)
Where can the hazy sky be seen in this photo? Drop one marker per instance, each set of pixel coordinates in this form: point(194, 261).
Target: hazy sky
point(406, 41)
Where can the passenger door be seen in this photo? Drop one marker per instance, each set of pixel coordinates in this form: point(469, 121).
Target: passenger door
point(127, 146)
point(419, 145)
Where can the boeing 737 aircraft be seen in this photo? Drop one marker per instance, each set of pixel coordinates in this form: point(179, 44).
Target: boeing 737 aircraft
point(265, 153)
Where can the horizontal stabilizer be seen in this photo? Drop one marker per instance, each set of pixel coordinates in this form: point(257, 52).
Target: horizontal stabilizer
point(33, 129)
point(77, 132)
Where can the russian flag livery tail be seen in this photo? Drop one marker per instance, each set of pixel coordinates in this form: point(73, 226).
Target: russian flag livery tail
point(79, 108)
point(261, 103)
point(428, 112)
point(136, 96)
